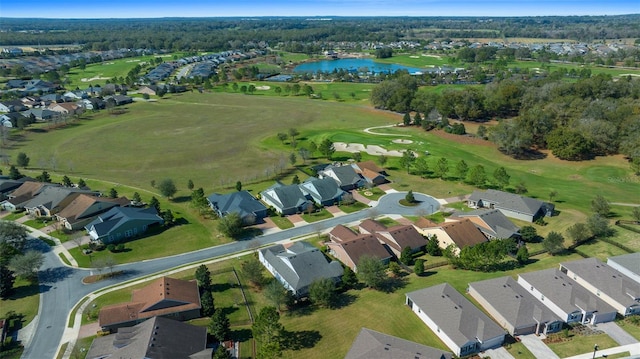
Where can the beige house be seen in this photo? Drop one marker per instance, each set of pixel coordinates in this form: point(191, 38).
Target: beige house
point(458, 234)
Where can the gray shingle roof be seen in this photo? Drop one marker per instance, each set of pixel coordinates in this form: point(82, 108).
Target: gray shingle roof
point(241, 202)
point(325, 189)
point(370, 344)
point(565, 292)
point(499, 225)
point(516, 305)
point(509, 201)
point(118, 217)
point(630, 262)
point(609, 281)
point(346, 175)
point(287, 196)
point(455, 315)
point(301, 264)
point(157, 337)
point(51, 196)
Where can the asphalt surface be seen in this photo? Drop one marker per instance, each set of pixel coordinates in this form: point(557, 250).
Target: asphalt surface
point(61, 287)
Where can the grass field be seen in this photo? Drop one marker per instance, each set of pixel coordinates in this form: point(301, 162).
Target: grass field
point(613, 71)
point(25, 300)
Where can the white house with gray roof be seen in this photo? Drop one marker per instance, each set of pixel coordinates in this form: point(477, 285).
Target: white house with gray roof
point(324, 192)
point(463, 327)
point(346, 176)
point(285, 199)
point(511, 205)
point(566, 298)
point(513, 307)
point(298, 265)
point(615, 288)
point(627, 264)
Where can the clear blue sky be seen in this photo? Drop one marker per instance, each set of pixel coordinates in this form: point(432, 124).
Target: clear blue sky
point(214, 8)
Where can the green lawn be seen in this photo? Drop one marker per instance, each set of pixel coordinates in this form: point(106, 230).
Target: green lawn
point(534, 65)
point(317, 216)
point(582, 344)
point(282, 222)
point(350, 208)
point(25, 300)
point(13, 216)
point(630, 327)
point(519, 351)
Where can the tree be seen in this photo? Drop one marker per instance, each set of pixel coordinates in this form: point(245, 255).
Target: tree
point(600, 205)
point(417, 119)
point(276, 293)
point(382, 160)
point(442, 168)
point(528, 234)
point(44, 177)
point(136, 198)
point(295, 180)
point(293, 133)
point(407, 160)
point(292, 158)
point(154, 203)
point(203, 277)
point(418, 267)
point(22, 160)
point(406, 256)
point(230, 225)
point(81, 183)
point(578, 232)
point(222, 353)
point(357, 156)
point(219, 326)
point(282, 137)
point(598, 225)
point(322, 292)
point(421, 167)
point(167, 188)
point(462, 168)
point(14, 173)
point(521, 188)
point(502, 177)
point(433, 246)
point(190, 185)
point(252, 270)
point(406, 119)
point(349, 278)
point(27, 265)
point(326, 148)
point(13, 234)
point(267, 330)
point(113, 193)
point(6, 282)
point(238, 186)
point(371, 272)
point(522, 256)
point(553, 194)
point(66, 181)
point(635, 213)
point(554, 243)
point(477, 176)
point(409, 197)
point(206, 302)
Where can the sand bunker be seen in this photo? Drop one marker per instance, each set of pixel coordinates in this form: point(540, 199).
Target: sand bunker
point(414, 57)
point(97, 78)
point(436, 56)
point(371, 149)
point(263, 88)
point(402, 141)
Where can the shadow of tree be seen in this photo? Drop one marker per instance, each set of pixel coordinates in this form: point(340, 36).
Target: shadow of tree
point(392, 284)
point(53, 275)
point(229, 310)
point(241, 335)
point(343, 299)
point(220, 287)
point(300, 340)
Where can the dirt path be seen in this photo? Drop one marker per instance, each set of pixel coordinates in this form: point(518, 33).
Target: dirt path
point(369, 131)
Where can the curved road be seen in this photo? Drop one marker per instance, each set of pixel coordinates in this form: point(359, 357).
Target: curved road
point(61, 286)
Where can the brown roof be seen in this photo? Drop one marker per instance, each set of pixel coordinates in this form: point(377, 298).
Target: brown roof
point(342, 233)
point(401, 237)
point(367, 173)
point(425, 223)
point(362, 245)
point(163, 296)
point(80, 204)
point(369, 165)
point(371, 226)
point(28, 189)
point(464, 233)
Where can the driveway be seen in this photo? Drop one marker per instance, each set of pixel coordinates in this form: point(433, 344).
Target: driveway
point(537, 347)
point(616, 333)
point(498, 353)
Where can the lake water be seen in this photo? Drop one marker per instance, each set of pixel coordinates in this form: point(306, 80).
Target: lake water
point(356, 65)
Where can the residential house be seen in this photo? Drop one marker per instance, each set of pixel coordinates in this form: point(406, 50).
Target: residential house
point(40, 114)
point(11, 119)
point(66, 108)
point(458, 234)
point(566, 298)
point(241, 202)
point(285, 199)
point(52, 199)
point(492, 223)
point(156, 337)
point(395, 238)
point(627, 264)
point(464, 328)
point(120, 100)
point(93, 103)
point(16, 83)
point(615, 288)
point(120, 223)
point(298, 265)
point(52, 98)
point(346, 176)
point(371, 173)
point(370, 344)
point(84, 208)
point(164, 297)
point(324, 192)
point(12, 106)
point(350, 248)
point(511, 205)
point(8, 185)
point(513, 307)
point(76, 95)
point(23, 194)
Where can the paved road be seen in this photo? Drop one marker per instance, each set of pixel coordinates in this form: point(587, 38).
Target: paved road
point(61, 287)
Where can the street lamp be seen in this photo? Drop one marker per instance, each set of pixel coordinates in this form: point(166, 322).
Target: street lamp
point(595, 348)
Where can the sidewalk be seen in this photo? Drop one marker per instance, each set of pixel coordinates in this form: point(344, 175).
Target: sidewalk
point(58, 249)
point(633, 349)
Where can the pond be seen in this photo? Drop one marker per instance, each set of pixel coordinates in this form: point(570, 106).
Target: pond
point(358, 65)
